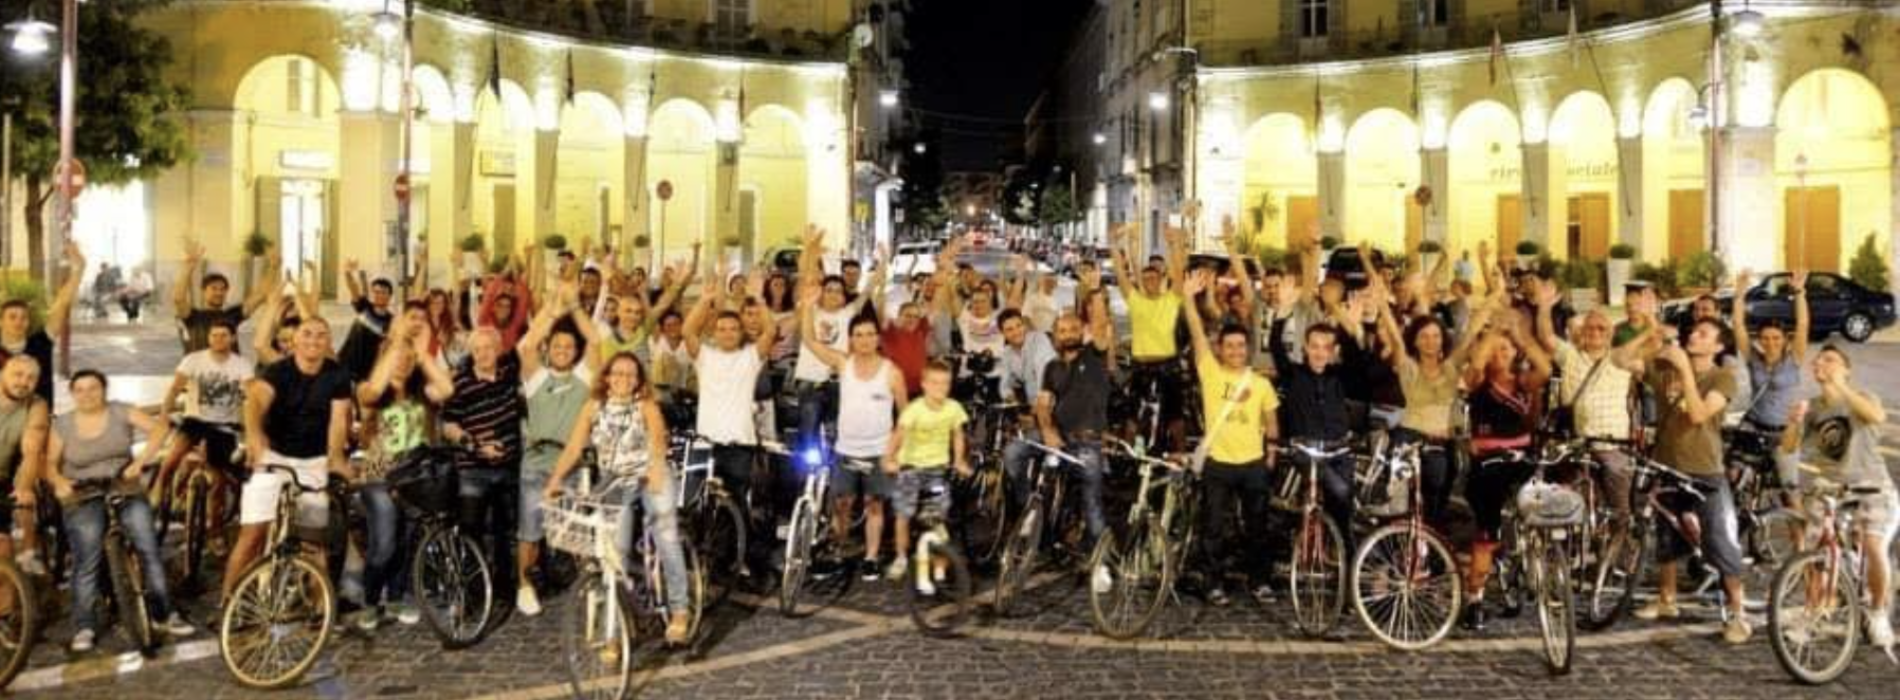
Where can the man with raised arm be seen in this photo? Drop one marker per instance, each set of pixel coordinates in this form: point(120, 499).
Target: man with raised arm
point(216, 288)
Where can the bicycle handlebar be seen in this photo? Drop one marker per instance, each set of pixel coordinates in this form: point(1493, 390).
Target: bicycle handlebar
point(1051, 451)
point(294, 479)
point(1312, 449)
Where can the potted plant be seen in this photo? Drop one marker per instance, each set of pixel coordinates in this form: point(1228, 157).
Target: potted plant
point(1527, 253)
point(1869, 267)
point(1327, 244)
point(1622, 258)
point(255, 246)
point(1701, 273)
point(552, 245)
point(471, 247)
point(642, 241)
point(1581, 277)
point(1429, 251)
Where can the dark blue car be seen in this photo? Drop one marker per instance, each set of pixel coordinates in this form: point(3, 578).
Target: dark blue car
point(1836, 304)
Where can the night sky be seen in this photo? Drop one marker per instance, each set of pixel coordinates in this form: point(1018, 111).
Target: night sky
point(975, 67)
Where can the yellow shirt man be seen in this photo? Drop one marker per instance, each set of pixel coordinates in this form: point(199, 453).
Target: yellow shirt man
point(1237, 440)
point(1151, 322)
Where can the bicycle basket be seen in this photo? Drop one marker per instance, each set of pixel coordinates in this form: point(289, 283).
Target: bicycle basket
point(425, 479)
point(581, 527)
point(1543, 504)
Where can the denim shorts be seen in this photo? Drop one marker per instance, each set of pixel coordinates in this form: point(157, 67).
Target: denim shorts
point(910, 485)
point(864, 479)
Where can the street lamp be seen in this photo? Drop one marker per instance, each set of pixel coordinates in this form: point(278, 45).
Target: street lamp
point(30, 36)
point(1099, 138)
point(1158, 101)
point(388, 24)
point(920, 148)
point(1747, 23)
point(887, 98)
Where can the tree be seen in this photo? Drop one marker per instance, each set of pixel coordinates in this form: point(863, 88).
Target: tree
point(126, 110)
point(1058, 205)
point(1869, 267)
point(1021, 198)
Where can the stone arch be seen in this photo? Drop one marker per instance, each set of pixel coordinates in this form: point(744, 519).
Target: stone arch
point(589, 187)
point(1280, 185)
point(1382, 169)
point(1485, 170)
point(1833, 169)
point(1585, 187)
point(774, 175)
point(1673, 179)
point(681, 150)
point(285, 152)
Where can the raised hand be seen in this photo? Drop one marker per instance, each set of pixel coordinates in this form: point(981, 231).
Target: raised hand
point(1800, 279)
point(1742, 279)
point(350, 266)
point(1197, 282)
point(194, 252)
point(813, 236)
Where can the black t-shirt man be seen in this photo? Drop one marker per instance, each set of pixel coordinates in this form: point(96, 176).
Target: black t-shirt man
point(199, 321)
point(1317, 401)
point(1080, 387)
point(366, 338)
point(298, 423)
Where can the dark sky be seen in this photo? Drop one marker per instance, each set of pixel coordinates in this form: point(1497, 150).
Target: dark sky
point(976, 65)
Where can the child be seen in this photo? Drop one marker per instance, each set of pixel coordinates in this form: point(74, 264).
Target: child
point(929, 435)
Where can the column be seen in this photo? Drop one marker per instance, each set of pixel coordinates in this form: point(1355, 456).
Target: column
point(1332, 194)
point(634, 223)
point(451, 160)
point(1631, 211)
point(196, 199)
point(725, 202)
point(534, 187)
point(1748, 201)
point(1535, 203)
point(1435, 173)
point(369, 157)
point(1893, 233)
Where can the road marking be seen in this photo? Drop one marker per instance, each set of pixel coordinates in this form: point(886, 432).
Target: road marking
point(1251, 647)
point(115, 665)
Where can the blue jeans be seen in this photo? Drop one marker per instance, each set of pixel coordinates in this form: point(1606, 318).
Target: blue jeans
point(86, 527)
point(661, 517)
point(490, 498)
point(383, 572)
point(1016, 458)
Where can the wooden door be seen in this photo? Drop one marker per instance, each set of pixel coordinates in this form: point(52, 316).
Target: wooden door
point(1811, 230)
point(1510, 226)
point(1685, 223)
point(1590, 213)
point(1414, 224)
point(1302, 217)
point(504, 223)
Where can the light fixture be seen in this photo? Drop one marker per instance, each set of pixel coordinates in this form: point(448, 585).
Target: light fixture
point(1099, 138)
point(31, 36)
point(1158, 101)
point(887, 98)
point(387, 24)
point(1747, 23)
point(1699, 116)
point(920, 148)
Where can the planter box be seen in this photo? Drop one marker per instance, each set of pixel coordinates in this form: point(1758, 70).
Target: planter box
point(1619, 274)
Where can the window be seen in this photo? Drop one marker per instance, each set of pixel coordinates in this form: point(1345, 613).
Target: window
point(1556, 5)
point(731, 16)
point(301, 89)
point(1313, 17)
point(1434, 13)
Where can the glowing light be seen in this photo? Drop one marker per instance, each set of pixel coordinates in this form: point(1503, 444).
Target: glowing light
point(636, 106)
point(1747, 24)
point(31, 37)
point(887, 99)
point(361, 84)
point(726, 121)
point(1099, 138)
point(1158, 101)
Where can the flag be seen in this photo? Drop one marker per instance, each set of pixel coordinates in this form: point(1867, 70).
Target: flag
point(494, 66)
point(1575, 42)
point(570, 77)
point(1497, 52)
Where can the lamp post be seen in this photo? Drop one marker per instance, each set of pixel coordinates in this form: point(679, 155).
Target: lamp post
point(390, 26)
point(67, 173)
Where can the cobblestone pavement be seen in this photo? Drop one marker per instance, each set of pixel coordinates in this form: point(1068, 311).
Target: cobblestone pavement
point(866, 647)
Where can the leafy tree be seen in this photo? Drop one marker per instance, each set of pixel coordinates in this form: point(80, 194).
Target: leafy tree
point(1869, 267)
point(127, 110)
point(1058, 205)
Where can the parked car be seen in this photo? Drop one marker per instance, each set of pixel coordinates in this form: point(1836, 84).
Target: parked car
point(916, 257)
point(1219, 263)
point(1836, 304)
point(1344, 265)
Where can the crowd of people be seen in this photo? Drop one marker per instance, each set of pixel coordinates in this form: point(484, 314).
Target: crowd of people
point(525, 369)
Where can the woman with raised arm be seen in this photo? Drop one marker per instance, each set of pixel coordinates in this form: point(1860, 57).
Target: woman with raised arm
point(1429, 377)
point(1773, 359)
point(397, 403)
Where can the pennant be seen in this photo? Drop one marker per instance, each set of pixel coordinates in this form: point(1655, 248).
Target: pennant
point(570, 77)
point(1574, 40)
point(1497, 53)
point(494, 66)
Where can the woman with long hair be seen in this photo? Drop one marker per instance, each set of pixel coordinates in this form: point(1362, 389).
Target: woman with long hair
point(1504, 388)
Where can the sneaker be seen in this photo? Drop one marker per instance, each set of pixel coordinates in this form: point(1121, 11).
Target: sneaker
point(407, 614)
point(1475, 618)
point(82, 642)
point(895, 571)
point(676, 628)
point(1736, 630)
point(527, 602)
point(1100, 580)
point(1217, 598)
point(1263, 593)
point(366, 620)
point(1658, 610)
point(1880, 627)
point(867, 570)
point(176, 626)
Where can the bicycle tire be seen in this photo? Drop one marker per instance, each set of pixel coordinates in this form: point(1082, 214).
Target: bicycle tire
point(1145, 564)
point(696, 597)
point(1395, 548)
point(986, 524)
point(19, 621)
point(1018, 560)
point(722, 531)
point(1611, 589)
point(1772, 539)
point(1317, 580)
point(926, 611)
point(597, 641)
point(1793, 620)
point(1556, 605)
point(798, 546)
point(196, 532)
point(128, 594)
point(453, 585)
point(271, 588)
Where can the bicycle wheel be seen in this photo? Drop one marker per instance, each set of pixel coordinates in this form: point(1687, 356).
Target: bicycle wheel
point(1772, 540)
point(1405, 587)
point(275, 624)
point(1140, 574)
point(984, 524)
point(597, 638)
point(1317, 579)
point(19, 622)
point(1611, 588)
point(798, 544)
point(1549, 571)
point(1018, 560)
point(128, 594)
point(940, 609)
point(451, 582)
point(697, 597)
point(720, 534)
point(196, 531)
point(1814, 618)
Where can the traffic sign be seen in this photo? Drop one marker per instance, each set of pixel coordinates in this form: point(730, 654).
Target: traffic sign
point(72, 179)
point(402, 187)
point(665, 190)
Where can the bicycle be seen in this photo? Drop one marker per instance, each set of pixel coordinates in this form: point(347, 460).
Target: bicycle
point(1623, 563)
point(614, 606)
point(450, 579)
point(807, 532)
point(125, 570)
point(283, 608)
point(1023, 541)
point(1545, 517)
point(981, 498)
point(1819, 595)
point(1405, 583)
point(1316, 580)
point(713, 518)
point(1149, 562)
point(937, 564)
point(19, 614)
point(209, 504)
point(1764, 521)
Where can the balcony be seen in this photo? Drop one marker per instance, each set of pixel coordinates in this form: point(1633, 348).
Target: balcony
point(610, 21)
